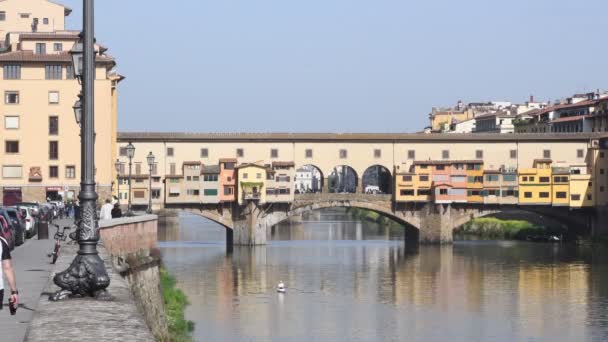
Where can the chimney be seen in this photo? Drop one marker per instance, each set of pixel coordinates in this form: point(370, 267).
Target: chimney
point(531, 98)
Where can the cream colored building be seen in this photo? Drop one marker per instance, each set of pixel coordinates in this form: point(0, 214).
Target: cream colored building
point(396, 152)
point(40, 156)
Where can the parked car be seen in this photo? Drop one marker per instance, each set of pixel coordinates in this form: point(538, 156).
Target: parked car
point(17, 225)
point(30, 221)
point(33, 205)
point(5, 232)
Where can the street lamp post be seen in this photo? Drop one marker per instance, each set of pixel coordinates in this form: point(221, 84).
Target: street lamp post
point(150, 164)
point(86, 276)
point(117, 165)
point(130, 155)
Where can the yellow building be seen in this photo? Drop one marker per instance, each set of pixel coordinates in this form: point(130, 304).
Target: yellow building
point(251, 182)
point(40, 158)
point(474, 172)
point(535, 183)
point(442, 119)
point(581, 187)
point(561, 186)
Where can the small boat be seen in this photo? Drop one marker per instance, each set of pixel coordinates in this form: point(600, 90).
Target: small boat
point(281, 287)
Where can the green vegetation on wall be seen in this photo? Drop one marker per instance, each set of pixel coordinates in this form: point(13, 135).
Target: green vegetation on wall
point(175, 305)
point(494, 228)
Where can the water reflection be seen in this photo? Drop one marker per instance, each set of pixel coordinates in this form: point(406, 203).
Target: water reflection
point(350, 280)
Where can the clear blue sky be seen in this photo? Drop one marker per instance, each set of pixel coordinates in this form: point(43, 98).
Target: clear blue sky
point(341, 65)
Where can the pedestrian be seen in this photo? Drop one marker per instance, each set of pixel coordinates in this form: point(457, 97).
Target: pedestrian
point(106, 210)
point(116, 212)
point(9, 273)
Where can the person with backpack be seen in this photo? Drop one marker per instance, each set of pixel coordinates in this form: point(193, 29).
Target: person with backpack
point(8, 271)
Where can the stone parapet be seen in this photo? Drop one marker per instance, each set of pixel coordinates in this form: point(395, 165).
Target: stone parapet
point(129, 235)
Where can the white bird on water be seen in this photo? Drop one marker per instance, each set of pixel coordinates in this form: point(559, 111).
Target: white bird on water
point(281, 287)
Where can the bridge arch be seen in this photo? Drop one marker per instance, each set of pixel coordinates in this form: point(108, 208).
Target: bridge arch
point(343, 179)
point(377, 179)
point(309, 179)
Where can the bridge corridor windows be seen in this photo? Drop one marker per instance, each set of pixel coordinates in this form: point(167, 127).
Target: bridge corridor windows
point(343, 179)
point(308, 179)
point(377, 179)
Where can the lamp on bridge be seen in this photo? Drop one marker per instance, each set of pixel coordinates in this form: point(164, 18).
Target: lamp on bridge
point(117, 165)
point(78, 110)
point(130, 155)
point(150, 159)
point(86, 275)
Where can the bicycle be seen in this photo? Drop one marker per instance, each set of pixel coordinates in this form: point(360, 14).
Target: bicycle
point(59, 236)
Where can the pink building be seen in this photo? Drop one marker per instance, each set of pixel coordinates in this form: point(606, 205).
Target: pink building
point(228, 179)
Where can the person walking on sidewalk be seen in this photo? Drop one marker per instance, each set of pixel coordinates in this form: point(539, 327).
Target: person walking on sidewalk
point(106, 211)
point(9, 273)
point(116, 212)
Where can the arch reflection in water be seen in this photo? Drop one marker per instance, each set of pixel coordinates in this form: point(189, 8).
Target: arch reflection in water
point(385, 291)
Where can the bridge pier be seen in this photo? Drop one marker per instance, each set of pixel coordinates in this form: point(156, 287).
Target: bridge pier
point(436, 224)
point(250, 229)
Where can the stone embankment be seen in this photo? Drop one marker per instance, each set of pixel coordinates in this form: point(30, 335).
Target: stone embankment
point(136, 312)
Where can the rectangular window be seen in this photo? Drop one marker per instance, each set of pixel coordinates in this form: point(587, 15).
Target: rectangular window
point(424, 178)
point(210, 178)
point(155, 193)
point(194, 192)
point(547, 154)
point(561, 194)
point(440, 167)
point(228, 190)
point(41, 48)
point(240, 153)
point(377, 153)
point(531, 179)
point(204, 153)
point(11, 97)
point(509, 178)
point(443, 191)
point(53, 97)
point(308, 153)
point(445, 154)
point(12, 72)
point(70, 172)
point(170, 151)
point(527, 194)
point(245, 175)
point(407, 192)
point(274, 153)
point(12, 171)
point(543, 195)
point(45, 21)
point(53, 125)
point(122, 151)
point(411, 154)
point(11, 146)
point(139, 194)
point(479, 154)
point(155, 168)
point(424, 192)
point(575, 197)
point(544, 179)
point(53, 150)
point(343, 154)
point(513, 154)
point(53, 171)
point(210, 192)
point(53, 72)
point(11, 122)
point(69, 72)
point(57, 47)
point(580, 153)
point(2, 15)
point(138, 168)
point(407, 178)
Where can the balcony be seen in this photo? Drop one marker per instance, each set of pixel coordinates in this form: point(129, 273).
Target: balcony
point(252, 196)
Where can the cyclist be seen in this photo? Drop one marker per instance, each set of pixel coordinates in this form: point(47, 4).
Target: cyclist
point(7, 269)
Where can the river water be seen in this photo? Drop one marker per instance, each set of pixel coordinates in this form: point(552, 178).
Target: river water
point(349, 280)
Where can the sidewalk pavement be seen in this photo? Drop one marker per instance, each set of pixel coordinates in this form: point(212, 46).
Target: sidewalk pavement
point(32, 269)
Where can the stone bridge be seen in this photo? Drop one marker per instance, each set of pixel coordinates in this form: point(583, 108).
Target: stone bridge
point(426, 223)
